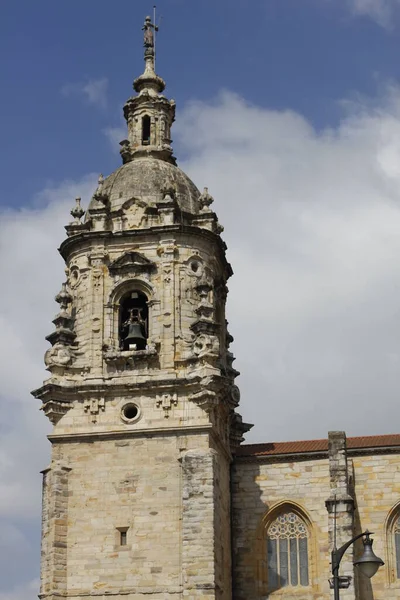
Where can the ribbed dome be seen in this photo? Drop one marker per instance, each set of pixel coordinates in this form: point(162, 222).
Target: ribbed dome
point(147, 179)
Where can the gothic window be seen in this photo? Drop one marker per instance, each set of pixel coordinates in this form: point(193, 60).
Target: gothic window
point(133, 321)
point(146, 130)
point(287, 552)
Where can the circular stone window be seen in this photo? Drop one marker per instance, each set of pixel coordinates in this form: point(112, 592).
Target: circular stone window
point(130, 413)
point(195, 267)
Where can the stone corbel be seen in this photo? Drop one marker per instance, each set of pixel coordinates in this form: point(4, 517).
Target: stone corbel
point(206, 399)
point(55, 410)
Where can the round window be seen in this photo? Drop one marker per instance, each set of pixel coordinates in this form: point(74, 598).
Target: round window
point(130, 412)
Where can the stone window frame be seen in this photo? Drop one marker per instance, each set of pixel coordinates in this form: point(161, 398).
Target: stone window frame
point(392, 558)
point(120, 289)
point(261, 565)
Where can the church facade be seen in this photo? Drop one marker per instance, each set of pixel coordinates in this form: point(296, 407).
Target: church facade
point(150, 492)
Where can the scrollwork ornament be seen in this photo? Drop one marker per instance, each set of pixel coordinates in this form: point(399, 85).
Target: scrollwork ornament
point(58, 356)
point(205, 344)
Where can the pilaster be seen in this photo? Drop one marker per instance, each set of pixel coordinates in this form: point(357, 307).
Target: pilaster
point(206, 565)
point(54, 532)
point(340, 506)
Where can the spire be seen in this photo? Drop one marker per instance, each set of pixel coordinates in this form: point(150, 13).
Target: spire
point(149, 115)
point(149, 80)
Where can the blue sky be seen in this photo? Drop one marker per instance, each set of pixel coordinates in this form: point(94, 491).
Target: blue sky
point(289, 110)
point(304, 55)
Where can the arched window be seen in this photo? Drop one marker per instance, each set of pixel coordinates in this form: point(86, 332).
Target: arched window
point(146, 127)
point(133, 321)
point(287, 552)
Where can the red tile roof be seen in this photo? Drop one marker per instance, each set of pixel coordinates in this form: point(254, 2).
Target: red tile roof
point(272, 448)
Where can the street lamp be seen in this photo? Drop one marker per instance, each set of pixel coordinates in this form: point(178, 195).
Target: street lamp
point(368, 563)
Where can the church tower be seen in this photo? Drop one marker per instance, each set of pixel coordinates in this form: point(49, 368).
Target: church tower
point(141, 393)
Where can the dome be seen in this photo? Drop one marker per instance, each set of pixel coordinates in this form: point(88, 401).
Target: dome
point(147, 179)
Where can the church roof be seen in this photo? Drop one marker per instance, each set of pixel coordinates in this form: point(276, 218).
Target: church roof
point(147, 179)
point(309, 446)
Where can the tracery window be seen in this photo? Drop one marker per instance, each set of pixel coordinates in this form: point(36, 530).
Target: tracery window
point(396, 533)
point(287, 552)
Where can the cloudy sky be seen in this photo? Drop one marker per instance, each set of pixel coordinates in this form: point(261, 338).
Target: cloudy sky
point(289, 111)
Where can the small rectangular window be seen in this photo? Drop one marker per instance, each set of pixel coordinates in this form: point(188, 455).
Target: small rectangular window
point(122, 538)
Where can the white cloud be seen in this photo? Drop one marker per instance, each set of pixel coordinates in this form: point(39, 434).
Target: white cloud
point(312, 222)
point(33, 270)
point(379, 10)
point(93, 91)
point(115, 135)
point(313, 229)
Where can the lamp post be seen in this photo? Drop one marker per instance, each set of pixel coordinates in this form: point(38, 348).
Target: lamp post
point(368, 563)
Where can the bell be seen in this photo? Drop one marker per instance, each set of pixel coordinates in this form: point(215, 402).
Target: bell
point(134, 339)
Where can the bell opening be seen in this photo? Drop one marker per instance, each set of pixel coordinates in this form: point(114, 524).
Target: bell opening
point(146, 127)
point(134, 317)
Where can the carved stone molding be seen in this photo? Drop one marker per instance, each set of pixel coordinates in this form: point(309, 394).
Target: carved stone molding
point(166, 402)
point(207, 399)
point(126, 359)
point(132, 263)
point(94, 406)
point(55, 410)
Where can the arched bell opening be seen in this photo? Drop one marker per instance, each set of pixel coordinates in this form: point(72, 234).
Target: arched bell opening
point(133, 321)
point(146, 130)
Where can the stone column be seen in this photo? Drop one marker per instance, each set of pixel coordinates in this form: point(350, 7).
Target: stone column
point(54, 532)
point(340, 506)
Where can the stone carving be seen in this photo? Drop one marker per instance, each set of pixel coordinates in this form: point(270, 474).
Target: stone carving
point(94, 406)
point(58, 356)
point(235, 395)
point(74, 277)
point(77, 212)
point(132, 263)
point(148, 37)
point(166, 402)
point(207, 399)
point(205, 200)
point(55, 410)
point(99, 194)
point(205, 345)
point(133, 214)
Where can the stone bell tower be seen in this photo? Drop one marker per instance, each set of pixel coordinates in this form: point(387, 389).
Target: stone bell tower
point(136, 500)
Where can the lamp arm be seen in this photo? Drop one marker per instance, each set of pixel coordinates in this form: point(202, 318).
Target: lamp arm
point(337, 553)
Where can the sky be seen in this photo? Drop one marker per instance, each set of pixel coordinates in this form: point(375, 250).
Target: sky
point(289, 111)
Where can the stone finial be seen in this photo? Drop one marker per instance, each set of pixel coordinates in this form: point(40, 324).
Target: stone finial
point(205, 200)
point(99, 194)
point(77, 212)
point(63, 297)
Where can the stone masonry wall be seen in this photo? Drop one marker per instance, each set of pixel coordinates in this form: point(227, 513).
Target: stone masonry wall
point(377, 492)
point(257, 489)
point(54, 532)
point(306, 484)
point(205, 526)
point(117, 485)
